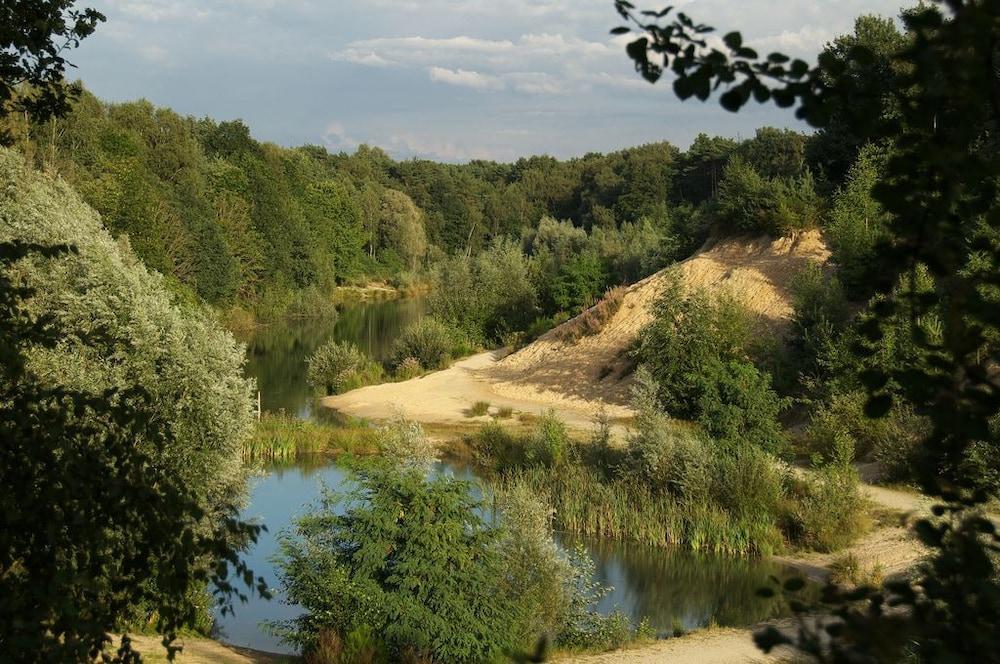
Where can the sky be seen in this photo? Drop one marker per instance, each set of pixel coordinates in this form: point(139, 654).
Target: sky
point(450, 80)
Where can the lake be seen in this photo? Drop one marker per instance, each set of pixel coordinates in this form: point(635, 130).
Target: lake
point(276, 353)
point(668, 587)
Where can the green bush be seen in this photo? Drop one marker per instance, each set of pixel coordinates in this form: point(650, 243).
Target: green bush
point(430, 581)
point(829, 512)
point(749, 202)
point(405, 567)
point(549, 442)
point(428, 340)
point(662, 458)
point(409, 368)
point(699, 352)
point(737, 406)
point(339, 366)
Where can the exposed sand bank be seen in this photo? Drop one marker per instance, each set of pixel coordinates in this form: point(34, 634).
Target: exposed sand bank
point(444, 397)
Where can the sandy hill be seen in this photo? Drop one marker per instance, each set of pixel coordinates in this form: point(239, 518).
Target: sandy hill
point(757, 272)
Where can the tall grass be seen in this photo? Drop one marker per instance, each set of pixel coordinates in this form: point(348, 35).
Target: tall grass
point(279, 437)
point(734, 501)
point(622, 509)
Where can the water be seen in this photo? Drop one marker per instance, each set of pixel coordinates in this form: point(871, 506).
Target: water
point(668, 587)
point(276, 353)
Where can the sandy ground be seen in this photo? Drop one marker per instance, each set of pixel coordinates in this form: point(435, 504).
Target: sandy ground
point(203, 651)
point(756, 272)
point(719, 645)
point(444, 397)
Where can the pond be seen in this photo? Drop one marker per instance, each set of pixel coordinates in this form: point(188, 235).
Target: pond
point(276, 353)
point(668, 587)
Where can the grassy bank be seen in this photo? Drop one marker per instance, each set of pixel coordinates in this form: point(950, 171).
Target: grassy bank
point(680, 489)
point(280, 437)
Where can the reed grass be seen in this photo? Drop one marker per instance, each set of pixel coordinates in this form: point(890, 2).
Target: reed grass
point(280, 437)
point(620, 509)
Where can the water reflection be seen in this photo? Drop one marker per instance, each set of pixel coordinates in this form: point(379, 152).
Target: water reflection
point(276, 353)
point(667, 587)
point(673, 588)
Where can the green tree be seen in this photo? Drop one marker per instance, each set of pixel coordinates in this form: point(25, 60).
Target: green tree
point(406, 560)
point(938, 189)
point(857, 223)
point(33, 38)
point(122, 417)
point(401, 228)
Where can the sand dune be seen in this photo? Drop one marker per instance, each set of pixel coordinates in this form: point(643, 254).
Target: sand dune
point(577, 378)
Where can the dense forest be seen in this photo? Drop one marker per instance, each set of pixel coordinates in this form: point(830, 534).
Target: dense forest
point(238, 220)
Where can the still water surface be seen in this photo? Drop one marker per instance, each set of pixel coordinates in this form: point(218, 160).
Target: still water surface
point(276, 353)
point(668, 587)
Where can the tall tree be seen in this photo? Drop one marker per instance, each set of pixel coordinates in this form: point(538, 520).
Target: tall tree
point(939, 192)
point(34, 35)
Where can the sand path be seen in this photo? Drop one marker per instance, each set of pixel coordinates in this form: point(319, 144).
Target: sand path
point(710, 646)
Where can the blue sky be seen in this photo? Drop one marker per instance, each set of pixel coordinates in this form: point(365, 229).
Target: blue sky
point(450, 80)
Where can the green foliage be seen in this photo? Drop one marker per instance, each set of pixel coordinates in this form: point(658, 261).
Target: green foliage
point(829, 513)
point(750, 202)
point(35, 37)
point(280, 437)
point(339, 366)
point(775, 153)
point(698, 353)
point(485, 296)
point(428, 341)
point(940, 181)
point(857, 223)
point(820, 316)
point(407, 558)
point(664, 458)
point(122, 417)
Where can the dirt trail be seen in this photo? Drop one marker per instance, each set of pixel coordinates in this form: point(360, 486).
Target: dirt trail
point(204, 651)
point(710, 646)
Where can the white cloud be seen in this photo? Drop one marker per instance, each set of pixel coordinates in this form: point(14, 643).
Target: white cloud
point(336, 138)
point(466, 78)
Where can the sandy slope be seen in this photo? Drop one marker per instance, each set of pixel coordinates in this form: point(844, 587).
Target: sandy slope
point(757, 272)
point(578, 378)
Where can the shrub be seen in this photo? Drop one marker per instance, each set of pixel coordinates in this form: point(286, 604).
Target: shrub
point(548, 443)
point(830, 512)
point(427, 340)
point(338, 366)
point(478, 409)
point(431, 581)
point(405, 443)
point(738, 406)
point(505, 412)
point(496, 447)
point(408, 368)
point(661, 458)
point(536, 570)
point(593, 320)
point(821, 315)
point(698, 352)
